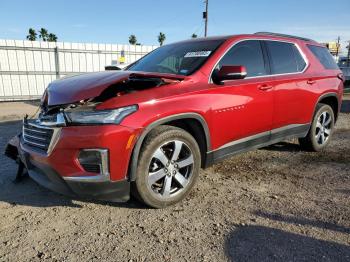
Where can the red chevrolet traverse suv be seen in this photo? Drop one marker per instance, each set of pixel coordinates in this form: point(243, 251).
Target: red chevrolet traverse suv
point(150, 128)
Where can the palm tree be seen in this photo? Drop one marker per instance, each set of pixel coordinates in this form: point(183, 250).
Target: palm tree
point(32, 34)
point(132, 40)
point(43, 34)
point(52, 38)
point(161, 38)
point(194, 35)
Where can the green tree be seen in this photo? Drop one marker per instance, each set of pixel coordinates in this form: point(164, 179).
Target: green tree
point(43, 34)
point(32, 34)
point(52, 38)
point(132, 40)
point(194, 35)
point(161, 38)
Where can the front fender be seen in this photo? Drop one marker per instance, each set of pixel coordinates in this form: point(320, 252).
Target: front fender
point(138, 144)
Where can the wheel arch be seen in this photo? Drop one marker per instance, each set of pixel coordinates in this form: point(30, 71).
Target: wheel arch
point(193, 123)
point(332, 100)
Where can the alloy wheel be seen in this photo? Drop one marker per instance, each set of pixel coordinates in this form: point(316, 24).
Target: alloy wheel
point(323, 128)
point(170, 169)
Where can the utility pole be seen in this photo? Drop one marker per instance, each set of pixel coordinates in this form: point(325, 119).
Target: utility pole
point(338, 44)
point(205, 17)
point(348, 58)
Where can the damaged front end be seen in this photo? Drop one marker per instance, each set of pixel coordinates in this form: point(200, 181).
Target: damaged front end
point(84, 111)
point(68, 108)
point(40, 153)
point(102, 86)
point(67, 102)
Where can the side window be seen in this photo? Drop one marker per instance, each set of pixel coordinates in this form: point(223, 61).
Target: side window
point(284, 58)
point(323, 56)
point(301, 64)
point(249, 54)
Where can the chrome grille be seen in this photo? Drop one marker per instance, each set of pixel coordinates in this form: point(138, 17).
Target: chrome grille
point(36, 136)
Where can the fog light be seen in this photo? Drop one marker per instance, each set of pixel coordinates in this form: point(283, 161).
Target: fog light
point(94, 161)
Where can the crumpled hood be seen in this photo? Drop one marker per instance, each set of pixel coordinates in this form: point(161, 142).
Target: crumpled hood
point(80, 87)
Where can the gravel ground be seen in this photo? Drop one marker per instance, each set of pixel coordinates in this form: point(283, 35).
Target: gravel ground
point(17, 110)
point(272, 204)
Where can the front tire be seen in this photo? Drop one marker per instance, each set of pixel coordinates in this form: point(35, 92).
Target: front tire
point(168, 167)
point(321, 129)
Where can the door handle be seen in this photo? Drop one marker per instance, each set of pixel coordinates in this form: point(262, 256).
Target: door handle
point(265, 87)
point(311, 82)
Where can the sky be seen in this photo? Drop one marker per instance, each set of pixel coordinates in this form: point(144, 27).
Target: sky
point(108, 21)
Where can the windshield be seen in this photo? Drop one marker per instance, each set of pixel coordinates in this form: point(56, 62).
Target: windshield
point(180, 58)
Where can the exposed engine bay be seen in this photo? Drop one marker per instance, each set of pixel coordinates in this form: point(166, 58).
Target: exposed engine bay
point(133, 83)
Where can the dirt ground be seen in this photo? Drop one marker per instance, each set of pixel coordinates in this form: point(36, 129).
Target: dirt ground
point(272, 204)
point(17, 110)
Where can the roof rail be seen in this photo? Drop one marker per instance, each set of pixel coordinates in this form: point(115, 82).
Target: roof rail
point(284, 35)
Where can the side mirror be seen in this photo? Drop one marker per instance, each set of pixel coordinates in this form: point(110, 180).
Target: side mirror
point(228, 73)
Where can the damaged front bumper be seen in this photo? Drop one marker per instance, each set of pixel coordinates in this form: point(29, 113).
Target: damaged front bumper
point(89, 186)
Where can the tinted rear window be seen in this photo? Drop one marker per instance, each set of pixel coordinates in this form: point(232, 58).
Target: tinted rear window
point(323, 56)
point(285, 58)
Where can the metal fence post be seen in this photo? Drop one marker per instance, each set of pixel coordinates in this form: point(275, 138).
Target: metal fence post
point(57, 63)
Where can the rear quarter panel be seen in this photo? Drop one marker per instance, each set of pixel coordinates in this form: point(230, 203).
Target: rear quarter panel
point(327, 80)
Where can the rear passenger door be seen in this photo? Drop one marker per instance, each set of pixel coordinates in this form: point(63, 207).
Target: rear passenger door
point(291, 86)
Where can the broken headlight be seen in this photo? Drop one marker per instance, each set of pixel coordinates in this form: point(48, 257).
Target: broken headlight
point(113, 116)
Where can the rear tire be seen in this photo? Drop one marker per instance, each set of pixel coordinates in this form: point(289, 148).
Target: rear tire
point(321, 129)
point(168, 167)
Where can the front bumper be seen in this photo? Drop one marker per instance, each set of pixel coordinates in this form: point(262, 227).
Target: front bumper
point(107, 190)
point(60, 171)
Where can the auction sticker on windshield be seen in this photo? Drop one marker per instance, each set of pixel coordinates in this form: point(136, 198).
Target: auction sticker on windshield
point(198, 54)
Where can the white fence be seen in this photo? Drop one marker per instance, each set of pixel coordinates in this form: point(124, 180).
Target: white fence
point(27, 67)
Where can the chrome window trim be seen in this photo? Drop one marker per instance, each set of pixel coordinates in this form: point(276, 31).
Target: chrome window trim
point(307, 63)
